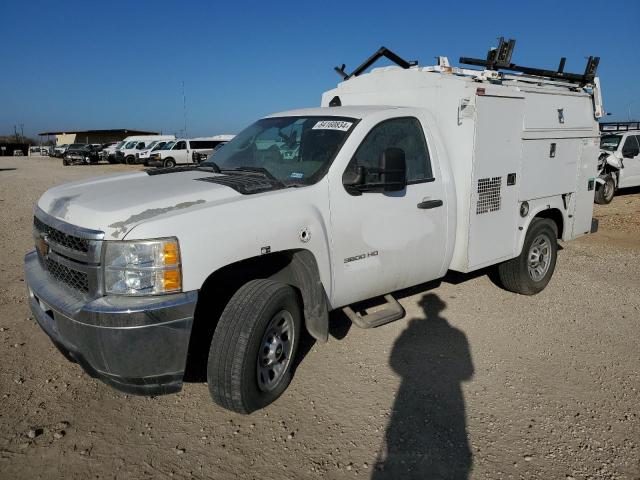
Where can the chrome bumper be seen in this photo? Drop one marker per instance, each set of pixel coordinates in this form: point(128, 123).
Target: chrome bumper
point(135, 344)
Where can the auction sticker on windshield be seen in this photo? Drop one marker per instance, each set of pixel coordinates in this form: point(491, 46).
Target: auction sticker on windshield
point(332, 125)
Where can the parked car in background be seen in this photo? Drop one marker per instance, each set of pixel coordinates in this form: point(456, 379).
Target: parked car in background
point(81, 155)
point(203, 156)
point(109, 153)
point(58, 150)
point(144, 155)
point(619, 161)
point(127, 152)
point(185, 151)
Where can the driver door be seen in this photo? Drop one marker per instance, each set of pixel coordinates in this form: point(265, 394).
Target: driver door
point(386, 241)
point(630, 174)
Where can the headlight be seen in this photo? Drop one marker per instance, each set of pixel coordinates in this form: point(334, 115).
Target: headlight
point(142, 267)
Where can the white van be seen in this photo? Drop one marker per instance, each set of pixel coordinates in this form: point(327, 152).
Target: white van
point(132, 145)
point(186, 150)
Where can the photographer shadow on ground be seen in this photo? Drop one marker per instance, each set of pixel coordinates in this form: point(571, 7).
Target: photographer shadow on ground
point(426, 437)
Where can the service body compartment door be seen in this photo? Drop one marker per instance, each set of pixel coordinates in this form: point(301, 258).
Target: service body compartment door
point(582, 205)
point(494, 187)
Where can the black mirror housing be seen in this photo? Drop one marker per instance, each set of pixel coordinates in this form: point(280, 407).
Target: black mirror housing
point(392, 174)
point(393, 170)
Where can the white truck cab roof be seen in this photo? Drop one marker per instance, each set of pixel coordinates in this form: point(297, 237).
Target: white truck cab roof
point(357, 112)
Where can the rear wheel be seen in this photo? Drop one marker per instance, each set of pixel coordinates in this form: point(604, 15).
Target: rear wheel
point(605, 191)
point(169, 163)
point(253, 346)
point(531, 271)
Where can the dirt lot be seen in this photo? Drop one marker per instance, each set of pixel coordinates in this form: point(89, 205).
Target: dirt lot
point(475, 380)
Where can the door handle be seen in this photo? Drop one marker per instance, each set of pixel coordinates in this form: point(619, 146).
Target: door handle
point(430, 204)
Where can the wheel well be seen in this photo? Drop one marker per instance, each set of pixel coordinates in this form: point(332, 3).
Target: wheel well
point(555, 215)
point(220, 286)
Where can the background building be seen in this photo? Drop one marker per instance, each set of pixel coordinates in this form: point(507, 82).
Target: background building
point(93, 136)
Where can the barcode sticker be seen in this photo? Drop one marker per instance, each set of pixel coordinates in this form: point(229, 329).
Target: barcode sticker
point(332, 125)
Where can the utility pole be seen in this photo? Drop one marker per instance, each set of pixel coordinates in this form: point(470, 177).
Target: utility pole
point(184, 109)
point(15, 133)
point(22, 132)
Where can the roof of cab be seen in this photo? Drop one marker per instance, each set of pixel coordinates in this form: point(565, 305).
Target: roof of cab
point(359, 111)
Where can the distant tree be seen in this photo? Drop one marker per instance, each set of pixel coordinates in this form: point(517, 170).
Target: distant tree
point(21, 139)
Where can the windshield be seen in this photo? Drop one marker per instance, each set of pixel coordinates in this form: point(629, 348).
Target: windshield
point(131, 144)
point(294, 150)
point(151, 145)
point(610, 142)
point(167, 146)
point(120, 144)
point(158, 146)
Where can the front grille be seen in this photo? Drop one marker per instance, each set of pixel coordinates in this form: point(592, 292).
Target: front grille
point(61, 238)
point(69, 276)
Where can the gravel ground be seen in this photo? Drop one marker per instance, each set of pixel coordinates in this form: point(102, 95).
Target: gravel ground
point(475, 381)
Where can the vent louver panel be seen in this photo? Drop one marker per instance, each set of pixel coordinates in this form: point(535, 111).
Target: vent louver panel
point(489, 195)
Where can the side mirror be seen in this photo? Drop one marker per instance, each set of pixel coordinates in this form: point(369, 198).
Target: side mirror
point(393, 170)
point(391, 176)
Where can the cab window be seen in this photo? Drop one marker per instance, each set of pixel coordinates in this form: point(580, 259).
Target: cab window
point(180, 146)
point(404, 133)
point(631, 148)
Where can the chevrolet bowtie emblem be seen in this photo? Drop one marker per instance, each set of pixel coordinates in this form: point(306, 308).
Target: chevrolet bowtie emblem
point(42, 246)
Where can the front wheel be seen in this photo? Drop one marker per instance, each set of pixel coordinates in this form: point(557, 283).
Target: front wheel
point(65, 162)
point(130, 160)
point(605, 191)
point(531, 271)
point(169, 163)
point(254, 345)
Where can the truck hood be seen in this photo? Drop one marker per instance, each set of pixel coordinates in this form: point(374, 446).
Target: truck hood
point(117, 203)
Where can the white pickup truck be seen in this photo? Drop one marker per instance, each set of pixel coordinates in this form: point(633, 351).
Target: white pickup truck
point(186, 151)
point(402, 174)
point(619, 162)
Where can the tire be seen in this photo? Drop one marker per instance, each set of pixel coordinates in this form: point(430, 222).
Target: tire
point(130, 160)
point(65, 162)
point(169, 163)
point(516, 274)
point(239, 356)
point(605, 192)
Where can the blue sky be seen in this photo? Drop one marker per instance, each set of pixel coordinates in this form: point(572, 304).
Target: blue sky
point(76, 65)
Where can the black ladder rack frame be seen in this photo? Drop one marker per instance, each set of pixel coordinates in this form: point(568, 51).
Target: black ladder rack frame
point(382, 52)
point(500, 59)
point(616, 127)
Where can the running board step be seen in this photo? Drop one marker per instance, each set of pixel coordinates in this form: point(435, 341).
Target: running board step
point(392, 312)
